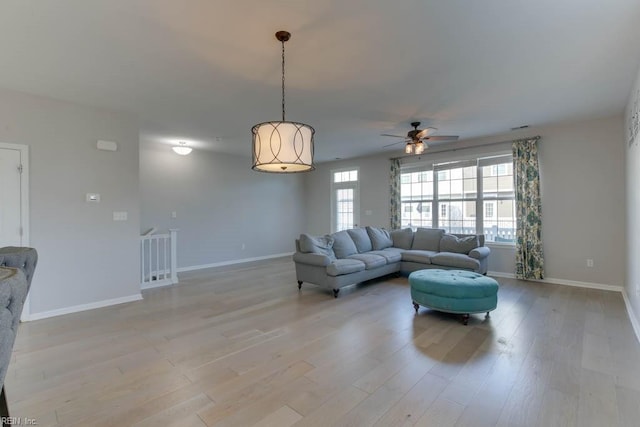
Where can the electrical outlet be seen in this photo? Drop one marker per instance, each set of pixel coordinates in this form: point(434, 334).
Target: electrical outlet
point(243, 246)
point(589, 263)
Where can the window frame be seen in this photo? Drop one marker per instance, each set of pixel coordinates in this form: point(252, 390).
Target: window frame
point(479, 162)
point(335, 186)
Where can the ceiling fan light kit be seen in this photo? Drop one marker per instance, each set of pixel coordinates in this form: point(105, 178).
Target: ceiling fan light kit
point(282, 146)
point(417, 147)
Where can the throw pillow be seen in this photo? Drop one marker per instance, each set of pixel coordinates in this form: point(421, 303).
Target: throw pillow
point(459, 245)
point(380, 238)
point(317, 245)
point(427, 239)
point(402, 238)
point(361, 239)
point(343, 245)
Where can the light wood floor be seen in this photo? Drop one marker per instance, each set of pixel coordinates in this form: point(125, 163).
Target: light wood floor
point(242, 347)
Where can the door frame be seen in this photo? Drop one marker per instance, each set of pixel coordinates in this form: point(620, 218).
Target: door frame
point(355, 185)
point(24, 207)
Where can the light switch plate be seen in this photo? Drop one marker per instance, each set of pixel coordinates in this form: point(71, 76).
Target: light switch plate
point(93, 197)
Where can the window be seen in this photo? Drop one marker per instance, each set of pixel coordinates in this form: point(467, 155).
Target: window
point(498, 192)
point(344, 190)
point(443, 210)
point(488, 209)
point(472, 196)
point(417, 195)
point(345, 176)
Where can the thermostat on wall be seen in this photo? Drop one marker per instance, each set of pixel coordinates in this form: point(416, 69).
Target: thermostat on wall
point(107, 145)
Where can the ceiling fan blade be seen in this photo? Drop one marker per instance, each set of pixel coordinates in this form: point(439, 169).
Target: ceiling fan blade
point(442, 138)
point(425, 132)
point(394, 136)
point(395, 143)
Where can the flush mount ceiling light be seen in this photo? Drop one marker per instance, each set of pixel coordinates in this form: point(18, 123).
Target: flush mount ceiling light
point(182, 149)
point(282, 146)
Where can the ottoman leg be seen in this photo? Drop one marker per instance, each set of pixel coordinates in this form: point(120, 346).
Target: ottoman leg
point(299, 284)
point(465, 319)
point(335, 293)
point(487, 316)
point(416, 306)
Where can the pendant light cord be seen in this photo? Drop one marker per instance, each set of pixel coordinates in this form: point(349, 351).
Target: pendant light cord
point(283, 81)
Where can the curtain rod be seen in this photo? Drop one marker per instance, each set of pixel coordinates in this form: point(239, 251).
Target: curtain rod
point(407, 156)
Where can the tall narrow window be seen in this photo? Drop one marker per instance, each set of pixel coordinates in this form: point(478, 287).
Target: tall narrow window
point(456, 185)
point(498, 195)
point(344, 199)
point(416, 189)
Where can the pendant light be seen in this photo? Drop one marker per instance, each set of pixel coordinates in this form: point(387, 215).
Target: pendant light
point(282, 146)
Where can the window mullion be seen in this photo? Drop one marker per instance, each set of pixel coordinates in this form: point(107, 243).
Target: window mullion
point(435, 208)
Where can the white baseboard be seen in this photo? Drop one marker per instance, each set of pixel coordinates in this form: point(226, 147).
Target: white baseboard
point(235, 261)
point(157, 284)
point(501, 274)
point(577, 284)
point(600, 286)
point(565, 282)
point(632, 317)
point(81, 307)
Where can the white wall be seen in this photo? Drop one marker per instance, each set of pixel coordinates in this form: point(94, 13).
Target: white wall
point(632, 284)
point(220, 203)
point(582, 185)
point(373, 187)
point(84, 256)
point(582, 176)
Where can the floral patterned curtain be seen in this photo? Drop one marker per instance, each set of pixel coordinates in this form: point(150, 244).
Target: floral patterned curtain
point(395, 194)
point(529, 257)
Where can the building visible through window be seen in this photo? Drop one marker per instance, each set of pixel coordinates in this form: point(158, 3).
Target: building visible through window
point(468, 197)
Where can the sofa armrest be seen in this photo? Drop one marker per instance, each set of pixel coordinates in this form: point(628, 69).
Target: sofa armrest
point(480, 253)
point(311, 259)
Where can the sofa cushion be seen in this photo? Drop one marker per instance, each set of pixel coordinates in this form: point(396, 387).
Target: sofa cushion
point(344, 266)
point(390, 256)
point(317, 245)
point(449, 259)
point(370, 261)
point(343, 245)
point(427, 239)
point(361, 239)
point(402, 238)
point(423, 257)
point(459, 245)
point(380, 238)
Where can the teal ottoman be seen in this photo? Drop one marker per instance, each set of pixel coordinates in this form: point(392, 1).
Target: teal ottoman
point(454, 291)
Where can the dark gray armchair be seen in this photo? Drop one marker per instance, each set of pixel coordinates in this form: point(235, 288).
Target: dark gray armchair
point(16, 271)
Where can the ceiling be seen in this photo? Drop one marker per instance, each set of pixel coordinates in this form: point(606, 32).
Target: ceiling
point(206, 71)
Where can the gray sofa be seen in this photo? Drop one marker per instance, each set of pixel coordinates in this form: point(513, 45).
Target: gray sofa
point(17, 265)
point(353, 256)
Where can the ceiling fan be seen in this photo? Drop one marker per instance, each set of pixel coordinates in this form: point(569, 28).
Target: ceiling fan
point(416, 139)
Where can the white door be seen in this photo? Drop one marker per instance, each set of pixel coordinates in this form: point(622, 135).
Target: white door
point(10, 198)
point(14, 201)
